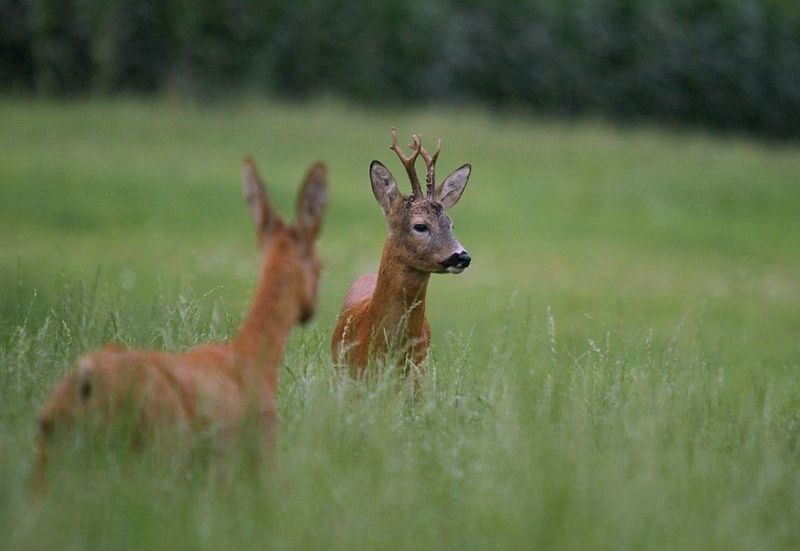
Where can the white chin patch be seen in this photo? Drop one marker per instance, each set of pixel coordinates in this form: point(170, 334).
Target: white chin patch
point(454, 270)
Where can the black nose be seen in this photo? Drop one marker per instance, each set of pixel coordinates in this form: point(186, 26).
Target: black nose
point(457, 260)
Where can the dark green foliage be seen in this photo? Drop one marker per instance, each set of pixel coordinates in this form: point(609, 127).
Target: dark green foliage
point(16, 63)
point(216, 42)
point(732, 64)
point(61, 46)
point(134, 45)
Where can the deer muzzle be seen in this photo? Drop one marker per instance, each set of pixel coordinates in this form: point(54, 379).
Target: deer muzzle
point(456, 262)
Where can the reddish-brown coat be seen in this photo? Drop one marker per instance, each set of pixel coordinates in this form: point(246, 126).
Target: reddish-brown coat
point(382, 311)
point(217, 382)
point(385, 313)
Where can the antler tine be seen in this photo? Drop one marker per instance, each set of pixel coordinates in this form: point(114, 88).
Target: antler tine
point(430, 162)
point(408, 162)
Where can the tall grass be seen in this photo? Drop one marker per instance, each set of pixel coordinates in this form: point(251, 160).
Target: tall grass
point(618, 369)
point(609, 442)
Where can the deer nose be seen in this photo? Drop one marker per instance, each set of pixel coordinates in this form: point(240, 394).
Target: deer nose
point(457, 260)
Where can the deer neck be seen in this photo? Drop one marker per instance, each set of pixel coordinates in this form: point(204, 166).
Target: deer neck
point(399, 296)
point(273, 314)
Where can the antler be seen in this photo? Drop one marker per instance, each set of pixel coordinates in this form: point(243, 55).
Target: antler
point(408, 162)
point(430, 162)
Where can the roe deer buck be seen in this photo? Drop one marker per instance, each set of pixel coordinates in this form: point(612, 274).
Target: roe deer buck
point(215, 383)
point(388, 309)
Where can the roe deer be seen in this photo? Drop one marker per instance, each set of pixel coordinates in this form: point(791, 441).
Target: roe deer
point(388, 309)
point(213, 384)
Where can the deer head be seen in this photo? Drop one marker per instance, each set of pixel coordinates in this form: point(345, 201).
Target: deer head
point(295, 243)
point(420, 232)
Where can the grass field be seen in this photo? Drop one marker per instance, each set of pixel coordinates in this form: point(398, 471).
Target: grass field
point(620, 367)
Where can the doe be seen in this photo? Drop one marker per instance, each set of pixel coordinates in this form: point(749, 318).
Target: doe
point(213, 384)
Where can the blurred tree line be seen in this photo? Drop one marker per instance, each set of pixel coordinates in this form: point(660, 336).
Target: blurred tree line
point(723, 63)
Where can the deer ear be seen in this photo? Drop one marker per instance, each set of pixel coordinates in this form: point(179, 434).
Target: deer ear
point(313, 199)
point(453, 186)
point(264, 216)
point(383, 186)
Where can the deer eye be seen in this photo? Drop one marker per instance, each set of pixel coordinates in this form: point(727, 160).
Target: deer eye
point(421, 228)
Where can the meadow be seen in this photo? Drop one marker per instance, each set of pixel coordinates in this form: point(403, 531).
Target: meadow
point(619, 367)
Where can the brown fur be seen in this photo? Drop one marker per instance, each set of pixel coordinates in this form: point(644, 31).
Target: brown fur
point(382, 311)
point(387, 311)
point(217, 382)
